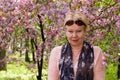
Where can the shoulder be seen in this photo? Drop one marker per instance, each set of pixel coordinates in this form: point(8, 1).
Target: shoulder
point(97, 53)
point(56, 51)
point(97, 49)
point(55, 54)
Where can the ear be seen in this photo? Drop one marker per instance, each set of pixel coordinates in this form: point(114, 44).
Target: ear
point(65, 29)
point(85, 33)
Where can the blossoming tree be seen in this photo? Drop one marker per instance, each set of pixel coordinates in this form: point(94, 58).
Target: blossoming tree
point(37, 25)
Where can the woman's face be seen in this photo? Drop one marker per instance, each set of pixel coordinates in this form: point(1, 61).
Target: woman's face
point(75, 34)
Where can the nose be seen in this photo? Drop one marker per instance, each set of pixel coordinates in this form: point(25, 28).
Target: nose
point(74, 34)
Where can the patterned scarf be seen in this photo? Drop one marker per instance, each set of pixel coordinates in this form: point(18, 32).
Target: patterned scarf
point(84, 66)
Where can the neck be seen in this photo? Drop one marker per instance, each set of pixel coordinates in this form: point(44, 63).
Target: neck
point(77, 48)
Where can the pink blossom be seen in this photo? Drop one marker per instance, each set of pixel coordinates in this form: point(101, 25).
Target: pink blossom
point(9, 29)
point(75, 3)
point(38, 51)
point(0, 13)
point(114, 44)
point(118, 24)
point(104, 62)
point(2, 46)
point(10, 52)
point(4, 18)
point(17, 11)
point(119, 46)
point(91, 16)
point(88, 2)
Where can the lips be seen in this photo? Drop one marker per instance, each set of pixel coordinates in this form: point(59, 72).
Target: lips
point(74, 40)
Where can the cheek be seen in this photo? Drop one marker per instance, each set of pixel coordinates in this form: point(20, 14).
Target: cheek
point(67, 34)
point(82, 35)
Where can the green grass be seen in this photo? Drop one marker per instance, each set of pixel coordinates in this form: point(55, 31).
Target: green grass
point(111, 72)
point(18, 69)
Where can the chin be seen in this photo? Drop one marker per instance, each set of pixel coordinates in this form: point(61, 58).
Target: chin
point(75, 43)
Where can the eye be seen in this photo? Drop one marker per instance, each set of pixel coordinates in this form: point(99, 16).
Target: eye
point(79, 30)
point(70, 31)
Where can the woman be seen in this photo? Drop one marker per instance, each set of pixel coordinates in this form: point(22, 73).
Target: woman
point(77, 59)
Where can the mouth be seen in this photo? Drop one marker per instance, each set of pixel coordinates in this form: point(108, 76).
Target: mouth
point(74, 40)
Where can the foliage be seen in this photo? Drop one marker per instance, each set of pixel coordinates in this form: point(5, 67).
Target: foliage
point(17, 69)
point(19, 22)
point(111, 72)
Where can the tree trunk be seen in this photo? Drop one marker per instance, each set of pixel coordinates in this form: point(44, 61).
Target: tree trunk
point(27, 59)
point(2, 60)
point(32, 48)
point(40, 63)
